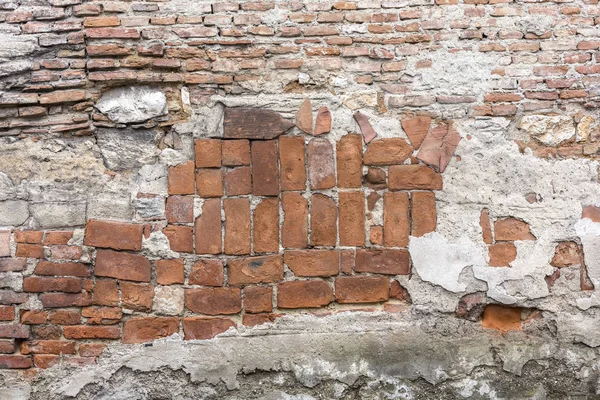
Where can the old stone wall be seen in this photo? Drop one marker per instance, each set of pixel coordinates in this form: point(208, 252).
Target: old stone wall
point(299, 199)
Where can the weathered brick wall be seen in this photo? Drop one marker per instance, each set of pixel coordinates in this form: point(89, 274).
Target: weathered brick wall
point(188, 167)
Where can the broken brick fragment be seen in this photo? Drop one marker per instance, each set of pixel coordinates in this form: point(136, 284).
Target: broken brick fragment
point(416, 129)
point(438, 146)
point(323, 123)
point(365, 126)
point(304, 118)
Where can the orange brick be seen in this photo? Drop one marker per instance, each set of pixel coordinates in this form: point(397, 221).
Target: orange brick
point(207, 153)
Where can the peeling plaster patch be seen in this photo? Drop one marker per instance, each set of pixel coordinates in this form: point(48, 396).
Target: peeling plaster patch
point(132, 104)
point(589, 233)
point(341, 347)
point(524, 279)
point(441, 263)
point(452, 73)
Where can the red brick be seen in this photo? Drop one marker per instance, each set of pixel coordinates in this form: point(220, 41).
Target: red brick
point(235, 152)
point(383, 261)
point(202, 328)
point(376, 235)
point(29, 250)
point(91, 332)
point(295, 222)
point(108, 50)
point(197, 31)
point(502, 318)
point(591, 212)
point(169, 272)
point(249, 270)
point(486, 228)
point(40, 284)
point(313, 262)
point(12, 264)
point(181, 178)
point(238, 181)
point(266, 226)
point(48, 347)
point(33, 237)
point(136, 296)
point(106, 292)
point(102, 314)
point(60, 300)
point(207, 153)
point(101, 21)
point(259, 319)
point(64, 252)
point(361, 289)
point(181, 238)
point(352, 218)
point(502, 254)
point(387, 152)
point(566, 254)
point(323, 123)
point(237, 226)
point(292, 159)
point(423, 213)
point(304, 294)
point(64, 96)
point(512, 229)
point(304, 118)
point(7, 313)
point(323, 221)
point(147, 329)
point(209, 182)
point(46, 332)
point(396, 222)
point(410, 177)
point(416, 128)
point(91, 349)
point(15, 362)
point(33, 317)
point(321, 170)
point(347, 261)
point(65, 317)
point(258, 299)
point(180, 209)
point(10, 297)
point(131, 267)
point(14, 331)
point(7, 346)
point(208, 228)
point(214, 301)
point(207, 273)
point(115, 235)
point(265, 172)
point(349, 161)
point(112, 33)
point(4, 243)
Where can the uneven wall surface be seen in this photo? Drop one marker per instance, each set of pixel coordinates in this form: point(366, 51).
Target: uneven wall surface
point(299, 199)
